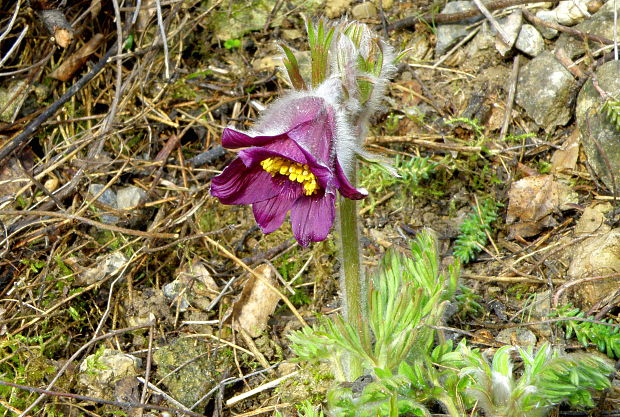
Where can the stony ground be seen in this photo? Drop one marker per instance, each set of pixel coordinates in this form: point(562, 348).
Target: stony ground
point(122, 279)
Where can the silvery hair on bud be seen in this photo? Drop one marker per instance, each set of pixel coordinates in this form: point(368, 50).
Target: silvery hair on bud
point(344, 64)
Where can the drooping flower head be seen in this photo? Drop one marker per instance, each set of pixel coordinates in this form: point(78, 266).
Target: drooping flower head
point(303, 148)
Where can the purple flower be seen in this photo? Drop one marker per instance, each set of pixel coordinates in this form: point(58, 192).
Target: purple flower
point(289, 163)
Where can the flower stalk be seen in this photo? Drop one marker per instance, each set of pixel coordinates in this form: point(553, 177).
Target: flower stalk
point(353, 280)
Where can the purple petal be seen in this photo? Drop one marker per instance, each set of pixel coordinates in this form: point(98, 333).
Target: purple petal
point(233, 139)
point(270, 214)
point(288, 112)
point(312, 217)
point(238, 184)
point(280, 118)
point(317, 135)
point(345, 187)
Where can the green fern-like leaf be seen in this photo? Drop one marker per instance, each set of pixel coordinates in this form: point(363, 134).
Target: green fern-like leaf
point(612, 112)
point(605, 337)
point(473, 231)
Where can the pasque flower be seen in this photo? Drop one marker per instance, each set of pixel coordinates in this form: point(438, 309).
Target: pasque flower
point(289, 162)
point(304, 147)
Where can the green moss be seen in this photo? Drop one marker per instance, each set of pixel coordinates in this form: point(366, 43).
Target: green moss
point(200, 373)
point(311, 384)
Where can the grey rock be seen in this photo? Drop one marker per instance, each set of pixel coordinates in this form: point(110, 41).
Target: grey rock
point(108, 198)
point(571, 12)
point(130, 196)
point(598, 255)
point(100, 371)
point(201, 373)
point(601, 23)
point(530, 41)
point(511, 25)
point(600, 138)
point(548, 16)
point(544, 91)
point(193, 286)
point(172, 291)
point(335, 8)
point(517, 336)
point(104, 266)
point(448, 35)
point(365, 10)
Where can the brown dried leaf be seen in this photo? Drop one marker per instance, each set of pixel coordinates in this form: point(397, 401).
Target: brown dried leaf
point(532, 201)
point(257, 302)
point(72, 64)
point(533, 198)
point(12, 178)
point(566, 158)
point(147, 11)
point(592, 220)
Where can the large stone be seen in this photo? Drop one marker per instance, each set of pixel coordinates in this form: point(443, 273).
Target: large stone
point(596, 256)
point(511, 25)
point(108, 198)
point(365, 10)
point(100, 372)
point(601, 23)
point(449, 34)
point(530, 41)
point(201, 371)
point(335, 8)
point(544, 91)
point(600, 138)
point(131, 196)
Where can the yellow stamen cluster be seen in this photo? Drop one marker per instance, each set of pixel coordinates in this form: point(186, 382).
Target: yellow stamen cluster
point(293, 170)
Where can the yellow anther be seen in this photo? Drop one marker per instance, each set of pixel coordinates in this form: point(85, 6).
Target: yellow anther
point(293, 170)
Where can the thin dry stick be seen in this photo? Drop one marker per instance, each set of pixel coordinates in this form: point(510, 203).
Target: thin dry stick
point(571, 31)
point(615, 31)
point(511, 280)
point(457, 17)
point(257, 276)
point(14, 46)
point(500, 31)
point(456, 47)
point(119, 75)
point(12, 21)
point(94, 223)
point(377, 203)
point(164, 40)
point(28, 133)
point(558, 320)
point(424, 143)
point(147, 373)
point(567, 285)
point(514, 77)
point(162, 393)
point(73, 357)
point(260, 388)
point(120, 404)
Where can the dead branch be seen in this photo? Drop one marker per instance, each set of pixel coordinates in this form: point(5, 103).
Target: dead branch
point(571, 31)
point(27, 134)
point(120, 404)
point(54, 20)
point(456, 17)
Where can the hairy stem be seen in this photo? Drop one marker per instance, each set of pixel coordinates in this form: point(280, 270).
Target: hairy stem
point(353, 283)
